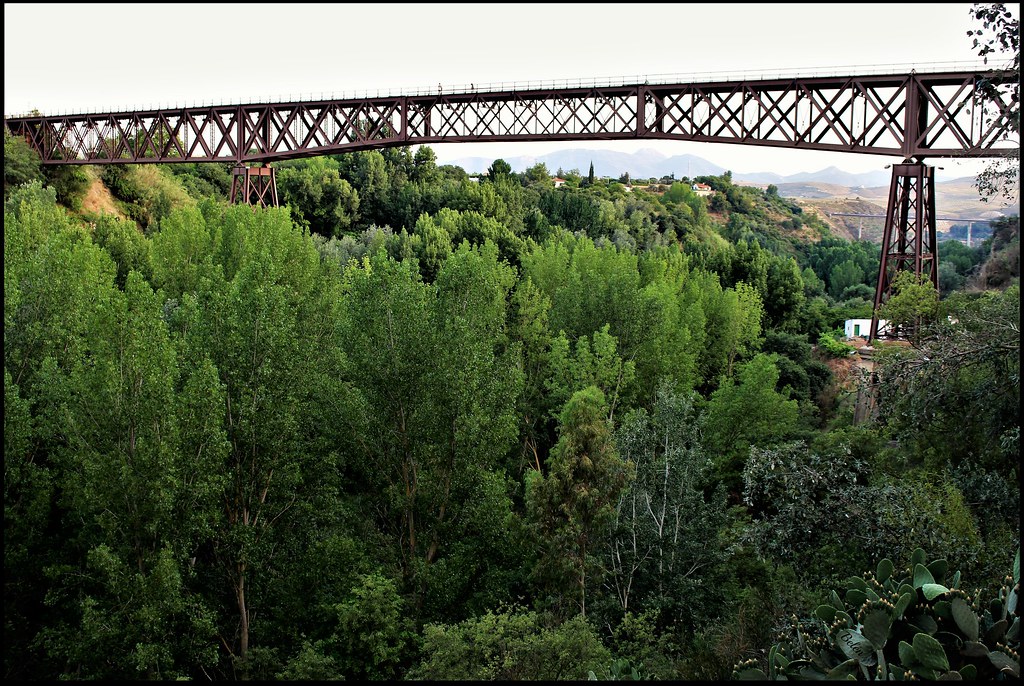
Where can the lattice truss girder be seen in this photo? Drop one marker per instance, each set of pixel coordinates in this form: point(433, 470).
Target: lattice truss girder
point(279, 130)
point(934, 115)
point(951, 116)
point(212, 134)
point(193, 135)
point(965, 115)
point(597, 112)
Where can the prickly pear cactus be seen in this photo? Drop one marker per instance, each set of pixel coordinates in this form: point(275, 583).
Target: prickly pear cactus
point(916, 623)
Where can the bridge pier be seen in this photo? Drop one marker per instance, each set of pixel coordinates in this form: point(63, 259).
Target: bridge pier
point(255, 186)
point(908, 240)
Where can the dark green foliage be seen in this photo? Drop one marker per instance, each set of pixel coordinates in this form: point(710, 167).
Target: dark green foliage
point(435, 427)
point(69, 181)
point(957, 262)
point(204, 180)
point(126, 245)
point(573, 503)
point(320, 199)
point(474, 429)
point(968, 358)
point(811, 501)
point(21, 163)
point(749, 411)
point(497, 169)
point(511, 644)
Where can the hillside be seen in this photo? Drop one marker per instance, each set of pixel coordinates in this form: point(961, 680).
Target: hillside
point(850, 228)
point(98, 199)
point(955, 200)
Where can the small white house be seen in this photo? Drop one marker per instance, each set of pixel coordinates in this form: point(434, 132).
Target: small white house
point(558, 181)
point(702, 189)
point(861, 328)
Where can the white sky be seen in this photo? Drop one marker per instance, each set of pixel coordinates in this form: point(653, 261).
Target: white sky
point(101, 57)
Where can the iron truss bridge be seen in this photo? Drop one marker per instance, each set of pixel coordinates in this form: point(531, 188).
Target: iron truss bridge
point(913, 115)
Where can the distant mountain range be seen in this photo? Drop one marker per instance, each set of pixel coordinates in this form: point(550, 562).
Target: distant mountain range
point(647, 163)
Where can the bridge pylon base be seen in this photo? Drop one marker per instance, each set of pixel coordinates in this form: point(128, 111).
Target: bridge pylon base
point(255, 186)
point(908, 239)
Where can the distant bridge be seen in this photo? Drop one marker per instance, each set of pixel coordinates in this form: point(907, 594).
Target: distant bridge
point(970, 222)
point(958, 114)
point(938, 219)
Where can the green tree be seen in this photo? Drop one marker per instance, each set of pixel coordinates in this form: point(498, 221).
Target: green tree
point(509, 644)
point(56, 281)
point(498, 169)
point(437, 245)
point(676, 299)
point(440, 388)
point(573, 505)
point(318, 196)
point(125, 478)
point(784, 294)
point(126, 245)
point(265, 313)
point(528, 325)
point(590, 287)
point(966, 359)
point(1000, 37)
point(368, 174)
point(734, 318)
point(665, 543)
point(21, 162)
point(843, 276)
point(425, 168)
point(595, 365)
point(913, 304)
point(748, 411)
point(371, 632)
point(70, 181)
point(538, 177)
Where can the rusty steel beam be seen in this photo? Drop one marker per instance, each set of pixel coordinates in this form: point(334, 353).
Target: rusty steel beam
point(256, 186)
point(912, 115)
point(909, 240)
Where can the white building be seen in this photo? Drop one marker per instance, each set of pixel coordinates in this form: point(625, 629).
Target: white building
point(702, 189)
point(861, 328)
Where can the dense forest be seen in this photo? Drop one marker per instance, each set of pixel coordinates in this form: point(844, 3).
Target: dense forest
point(421, 425)
point(416, 424)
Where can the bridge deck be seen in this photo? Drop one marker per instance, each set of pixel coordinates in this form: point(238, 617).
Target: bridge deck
point(944, 114)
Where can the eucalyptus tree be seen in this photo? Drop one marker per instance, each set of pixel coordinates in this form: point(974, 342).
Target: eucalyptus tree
point(665, 545)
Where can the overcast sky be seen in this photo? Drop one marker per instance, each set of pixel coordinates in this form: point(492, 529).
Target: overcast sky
point(100, 57)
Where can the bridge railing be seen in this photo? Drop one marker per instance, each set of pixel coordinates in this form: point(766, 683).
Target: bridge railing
point(596, 82)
